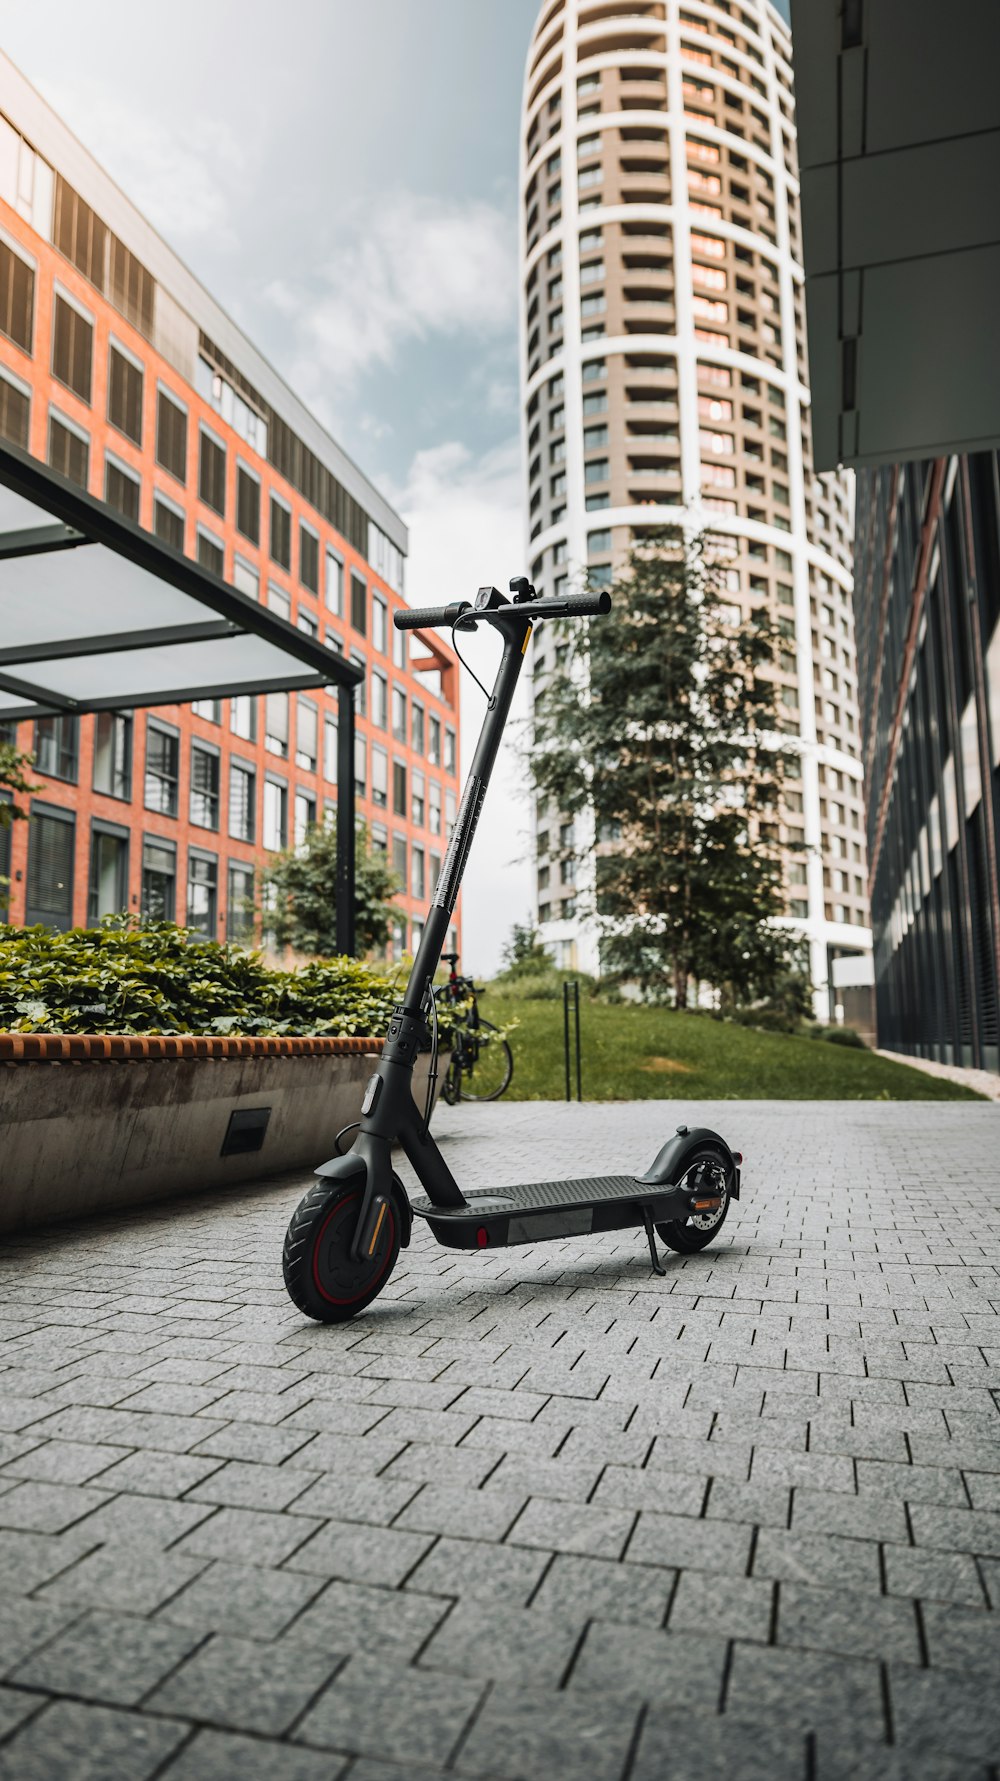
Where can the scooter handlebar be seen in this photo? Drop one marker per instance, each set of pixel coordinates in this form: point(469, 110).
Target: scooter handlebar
point(564, 606)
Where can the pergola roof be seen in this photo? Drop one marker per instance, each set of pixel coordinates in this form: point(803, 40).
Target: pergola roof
point(96, 614)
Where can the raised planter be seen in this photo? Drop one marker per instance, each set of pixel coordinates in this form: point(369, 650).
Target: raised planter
point(92, 1123)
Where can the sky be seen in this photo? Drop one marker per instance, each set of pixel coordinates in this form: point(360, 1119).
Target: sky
point(342, 177)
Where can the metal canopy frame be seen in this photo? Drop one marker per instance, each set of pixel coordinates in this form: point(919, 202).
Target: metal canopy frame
point(71, 521)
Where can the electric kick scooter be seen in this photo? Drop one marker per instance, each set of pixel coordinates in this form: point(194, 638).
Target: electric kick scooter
point(345, 1235)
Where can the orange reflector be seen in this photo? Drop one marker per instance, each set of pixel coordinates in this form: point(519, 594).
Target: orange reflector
point(708, 1205)
point(378, 1227)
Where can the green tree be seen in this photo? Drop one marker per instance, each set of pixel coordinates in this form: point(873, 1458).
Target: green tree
point(14, 779)
point(662, 724)
point(524, 953)
point(300, 893)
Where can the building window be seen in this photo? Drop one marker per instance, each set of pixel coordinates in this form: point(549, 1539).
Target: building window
point(359, 605)
point(380, 624)
point(380, 777)
point(121, 489)
point(162, 768)
point(308, 559)
point(416, 872)
point(243, 717)
point(417, 728)
point(306, 734)
point(361, 690)
point(399, 788)
point(247, 504)
point(276, 724)
point(171, 435)
point(400, 649)
point(125, 394)
point(240, 905)
point(168, 524)
point(281, 533)
point(113, 754)
point(72, 347)
point(69, 451)
point(57, 746)
point(204, 789)
point(275, 815)
point(334, 584)
point(434, 741)
point(399, 714)
point(360, 767)
point(399, 857)
point(202, 893)
point(330, 746)
point(418, 809)
point(242, 801)
point(305, 816)
point(108, 891)
point(211, 554)
point(212, 471)
point(15, 411)
point(380, 700)
point(159, 881)
point(17, 297)
point(450, 755)
point(51, 847)
point(434, 807)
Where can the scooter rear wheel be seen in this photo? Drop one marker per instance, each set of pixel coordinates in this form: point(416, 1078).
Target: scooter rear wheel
point(320, 1276)
point(705, 1169)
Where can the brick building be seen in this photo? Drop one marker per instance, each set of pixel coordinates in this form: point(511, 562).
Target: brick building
point(121, 372)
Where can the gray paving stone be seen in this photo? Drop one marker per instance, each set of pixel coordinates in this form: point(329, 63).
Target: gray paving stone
point(226, 1756)
point(246, 1684)
point(529, 1735)
point(503, 1644)
point(805, 1690)
point(355, 1551)
point(378, 1620)
point(630, 1663)
point(239, 1598)
point(627, 1487)
point(419, 1719)
point(854, 1623)
point(681, 1540)
point(953, 1714)
point(249, 1536)
point(762, 1503)
point(742, 1610)
point(865, 1517)
point(950, 1530)
point(817, 1558)
point(595, 1588)
point(47, 1508)
point(64, 1462)
point(580, 1527)
point(16, 1705)
point(542, 1477)
point(486, 1514)
point(134, 1578)
point(375, 1500)
point(128, 1520)
point(675, 1746)
point(69, 1741)
point(472, 1567)
point(934, 1576)
point(914, 1484)
point(113, 1658)
point(462, 1467)
point(28, 1560)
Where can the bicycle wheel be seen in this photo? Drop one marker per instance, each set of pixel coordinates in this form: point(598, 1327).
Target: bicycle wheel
point(487, 1063)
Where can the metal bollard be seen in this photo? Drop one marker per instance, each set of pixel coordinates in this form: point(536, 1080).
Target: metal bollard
point(571, 994)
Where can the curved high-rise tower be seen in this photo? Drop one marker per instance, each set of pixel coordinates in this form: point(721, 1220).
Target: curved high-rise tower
point(664, 379)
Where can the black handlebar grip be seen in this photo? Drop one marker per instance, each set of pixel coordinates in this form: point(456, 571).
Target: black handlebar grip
point(426, 617)
point(584, 605)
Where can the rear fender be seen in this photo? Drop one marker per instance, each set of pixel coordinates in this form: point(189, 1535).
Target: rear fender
point(352, 1168)
point(669, 1164)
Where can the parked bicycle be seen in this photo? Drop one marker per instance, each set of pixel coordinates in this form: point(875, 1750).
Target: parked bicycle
point(482, 1063)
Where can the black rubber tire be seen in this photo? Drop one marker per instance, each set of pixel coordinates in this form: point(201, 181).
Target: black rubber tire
point(451, 1091)
point(499, 1047)
point(319, 1276)
point(688, 1236)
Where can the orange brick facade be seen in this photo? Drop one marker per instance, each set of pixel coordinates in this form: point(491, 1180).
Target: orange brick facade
point(426, 788)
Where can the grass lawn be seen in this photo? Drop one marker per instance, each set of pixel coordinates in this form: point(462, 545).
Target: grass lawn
point(638, 1053)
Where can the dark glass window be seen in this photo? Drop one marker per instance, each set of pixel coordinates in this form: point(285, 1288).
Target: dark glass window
point(57, 746)
point(108, 891)
point(15, 412)
point(281, 534)
point(113, 754)
point(51, 847)
point(168, 525)
point(359, 605)
point(162, 768)
point(132, 288)
point(159, 881)
point(210, 553)
point(171, 436)
point(212, 473)
point(399, 788)
point(121, 490)
point(247, 505)
point(72, 348)
point(68, 453)
point(202, 893)
point(204, 802)
point(124, 395)
point(240, 906)
point(309, 559)
point(242, 802)
point(17, 297)
point(79, 233)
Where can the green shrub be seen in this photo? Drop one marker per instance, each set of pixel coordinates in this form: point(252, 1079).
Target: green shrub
point(844, 1036)
point(767, 1020)
point(155, 977)
point(543, 986)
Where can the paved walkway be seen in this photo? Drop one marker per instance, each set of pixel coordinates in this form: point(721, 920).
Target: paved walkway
point(536, 1515)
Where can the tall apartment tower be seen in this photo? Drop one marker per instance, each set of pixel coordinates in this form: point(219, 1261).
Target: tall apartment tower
point(664, 381)
point(121, 371)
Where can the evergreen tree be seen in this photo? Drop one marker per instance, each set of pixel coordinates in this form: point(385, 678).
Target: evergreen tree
point(300, 893)
point(662, 724)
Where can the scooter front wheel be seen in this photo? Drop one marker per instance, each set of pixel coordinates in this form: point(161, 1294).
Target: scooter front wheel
point(320, 1275)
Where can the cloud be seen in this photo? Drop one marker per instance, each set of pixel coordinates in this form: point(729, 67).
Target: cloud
point(465, 515)
point(404, 268)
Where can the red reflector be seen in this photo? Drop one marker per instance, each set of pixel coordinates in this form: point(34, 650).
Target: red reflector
point(482, 1236)
point(738, 1158)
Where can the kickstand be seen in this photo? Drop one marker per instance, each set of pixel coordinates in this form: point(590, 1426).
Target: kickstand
point(647, 1219)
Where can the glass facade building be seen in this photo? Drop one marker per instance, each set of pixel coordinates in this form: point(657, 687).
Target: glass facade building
point(927, 604)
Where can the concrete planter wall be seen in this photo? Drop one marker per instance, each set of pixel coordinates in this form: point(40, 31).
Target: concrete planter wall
point(88, 1124)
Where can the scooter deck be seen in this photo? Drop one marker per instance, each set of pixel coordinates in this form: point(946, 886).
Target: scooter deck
point(534, 1211)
